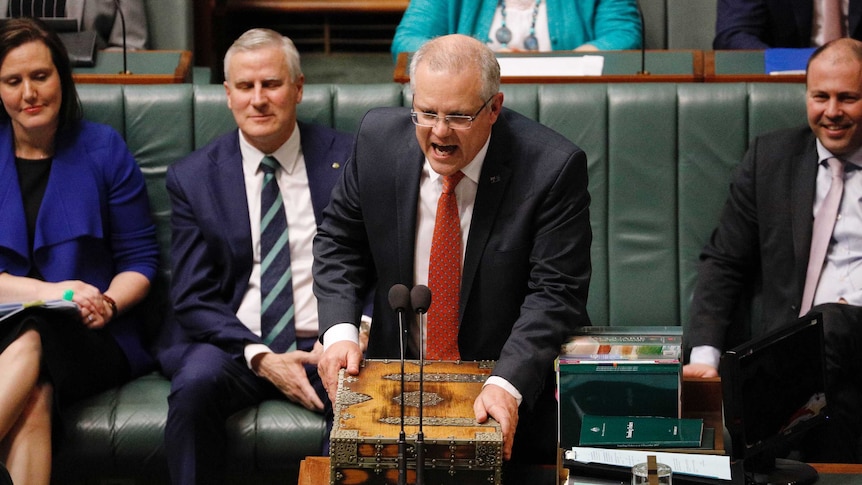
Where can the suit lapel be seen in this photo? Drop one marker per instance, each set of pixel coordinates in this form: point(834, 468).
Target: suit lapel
point(226, 185)
point(12, 214)
point(802, 14)
point(409, 163)
point(493, 182)
point(316, 149)
point(853, 17)
point(803, 170)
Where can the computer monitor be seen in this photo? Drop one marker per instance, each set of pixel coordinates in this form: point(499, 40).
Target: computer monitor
point(774, 390)
point(60, 25)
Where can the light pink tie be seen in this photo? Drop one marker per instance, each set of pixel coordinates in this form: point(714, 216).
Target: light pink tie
point(833, 21)
point(444, 275)
point(824, 222)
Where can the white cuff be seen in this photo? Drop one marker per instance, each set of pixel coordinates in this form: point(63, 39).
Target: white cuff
point(253, 350)
point(339, 332)
point(499, 381)
point(705, 354)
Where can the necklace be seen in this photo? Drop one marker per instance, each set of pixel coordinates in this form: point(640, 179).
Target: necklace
point(504, 35)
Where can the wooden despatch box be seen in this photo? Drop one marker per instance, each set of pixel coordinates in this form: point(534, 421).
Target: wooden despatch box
point(458, 450)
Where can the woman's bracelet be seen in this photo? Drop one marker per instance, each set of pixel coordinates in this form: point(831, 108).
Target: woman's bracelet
point(110, 301)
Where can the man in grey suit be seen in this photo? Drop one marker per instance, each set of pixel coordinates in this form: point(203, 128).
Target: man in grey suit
point(764, 238)
point(100, 16)
point(214, 348)
point(523, 228)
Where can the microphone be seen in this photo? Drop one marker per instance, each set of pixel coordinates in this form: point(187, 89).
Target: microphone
point(399, 300)
point(643, 70)
point(420, 298)
point(123, 25)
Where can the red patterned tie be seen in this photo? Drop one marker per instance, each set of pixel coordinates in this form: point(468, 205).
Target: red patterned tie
point(444, 275)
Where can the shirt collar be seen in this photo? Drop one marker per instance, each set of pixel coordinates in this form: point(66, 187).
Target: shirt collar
point(823, 154)
point(287, 154)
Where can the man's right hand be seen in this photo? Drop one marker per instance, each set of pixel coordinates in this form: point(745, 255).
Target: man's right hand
point(340, 355)
point(699, 370)
point(287, 373)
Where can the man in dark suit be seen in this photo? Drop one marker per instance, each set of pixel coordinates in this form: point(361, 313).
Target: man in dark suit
point(523, 215)
point(213, 349)
point(761, 24)
point(764, 238)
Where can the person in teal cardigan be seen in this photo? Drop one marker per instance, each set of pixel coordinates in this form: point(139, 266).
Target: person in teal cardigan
point(583, 25)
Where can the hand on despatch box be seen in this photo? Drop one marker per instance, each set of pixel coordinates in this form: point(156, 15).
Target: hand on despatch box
point(496, 402)
point(287, 373)
point(340, 355)
point(699, 370)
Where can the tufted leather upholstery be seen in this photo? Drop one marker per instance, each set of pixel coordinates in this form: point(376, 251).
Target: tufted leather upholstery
point(659, 156)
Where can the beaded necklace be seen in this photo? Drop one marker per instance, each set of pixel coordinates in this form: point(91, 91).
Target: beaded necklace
point(504, 35)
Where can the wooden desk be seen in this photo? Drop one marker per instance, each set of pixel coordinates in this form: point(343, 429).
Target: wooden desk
point(672, 66)
point(741, 66)
point(701, 399)
point(147, 67)
point(314, 470)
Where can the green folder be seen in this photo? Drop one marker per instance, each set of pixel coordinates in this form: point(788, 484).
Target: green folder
point(640, 432)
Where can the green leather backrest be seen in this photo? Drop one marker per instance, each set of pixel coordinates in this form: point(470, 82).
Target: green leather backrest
point(170, 24)
point(690, 24)
point(659, 155)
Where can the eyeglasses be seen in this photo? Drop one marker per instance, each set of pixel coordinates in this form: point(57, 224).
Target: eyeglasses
point(456, 122)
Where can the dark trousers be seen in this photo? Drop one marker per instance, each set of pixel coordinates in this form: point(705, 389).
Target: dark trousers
point(208, 385)
point(840, 440)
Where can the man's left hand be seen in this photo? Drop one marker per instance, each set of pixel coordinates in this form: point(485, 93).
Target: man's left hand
point(287, 373)
point(496, 402)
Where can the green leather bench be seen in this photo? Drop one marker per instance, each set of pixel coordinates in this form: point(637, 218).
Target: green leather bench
point(659, 156)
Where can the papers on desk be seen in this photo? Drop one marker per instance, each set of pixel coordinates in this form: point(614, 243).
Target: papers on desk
point(786, 61)
point(710, 466)
point(551, 66)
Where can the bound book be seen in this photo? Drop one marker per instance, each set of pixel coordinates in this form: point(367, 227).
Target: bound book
point(9, 311)
point(640, 432)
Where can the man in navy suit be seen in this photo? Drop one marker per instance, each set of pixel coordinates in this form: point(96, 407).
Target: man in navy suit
point(761, 24)
point(525, 237)
point(212, 349)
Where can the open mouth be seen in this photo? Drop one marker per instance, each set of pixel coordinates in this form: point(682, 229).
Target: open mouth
point(443, 150)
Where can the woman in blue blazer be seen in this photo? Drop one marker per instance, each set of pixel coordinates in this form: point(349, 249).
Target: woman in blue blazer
point(75, 223)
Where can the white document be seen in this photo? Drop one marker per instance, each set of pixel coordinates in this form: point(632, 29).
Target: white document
point(710, 466)
point(551, 66)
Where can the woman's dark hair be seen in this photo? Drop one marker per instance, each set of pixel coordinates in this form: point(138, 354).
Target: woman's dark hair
point(19, 31)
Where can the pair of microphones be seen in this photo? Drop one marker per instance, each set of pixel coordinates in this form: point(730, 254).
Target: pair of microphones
point(402, 301)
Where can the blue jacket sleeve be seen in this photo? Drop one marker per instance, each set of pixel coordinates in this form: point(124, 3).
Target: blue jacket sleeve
point(423, 20)
point(616, 25)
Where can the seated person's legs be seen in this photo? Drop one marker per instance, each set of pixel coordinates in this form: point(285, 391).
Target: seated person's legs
point(207, 387)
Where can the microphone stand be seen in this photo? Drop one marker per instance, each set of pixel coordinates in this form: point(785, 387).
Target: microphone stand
point(643, 71)
point(125, 70)
point(399, 299)
point(420, 297)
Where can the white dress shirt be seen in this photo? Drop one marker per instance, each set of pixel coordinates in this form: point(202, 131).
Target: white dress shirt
point(841, 277)
point(293, 184)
